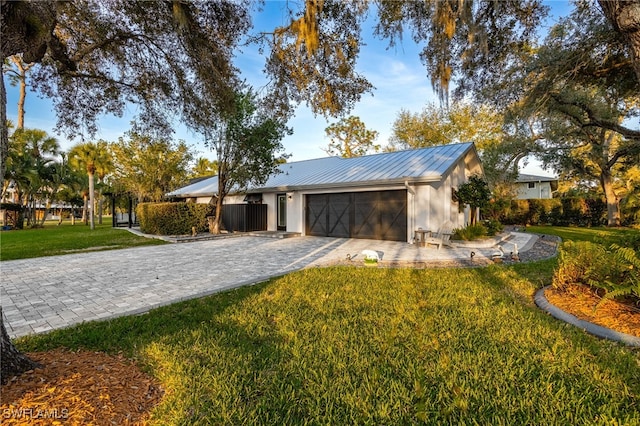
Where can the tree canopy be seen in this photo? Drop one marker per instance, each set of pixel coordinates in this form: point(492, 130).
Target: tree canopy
point(149, 167)
point(349, 137)
point(247, 143)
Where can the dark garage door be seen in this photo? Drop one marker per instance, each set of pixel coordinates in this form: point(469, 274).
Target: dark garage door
point(379, 215)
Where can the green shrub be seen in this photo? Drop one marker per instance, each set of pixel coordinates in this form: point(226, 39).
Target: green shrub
point(613, 270)
point(493, 226)
point(471, 232)
point(565, 211)
point(629, 285)
point(173, 218)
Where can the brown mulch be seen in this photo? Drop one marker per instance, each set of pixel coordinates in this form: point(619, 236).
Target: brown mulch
point(79, 388)
point(582, 302)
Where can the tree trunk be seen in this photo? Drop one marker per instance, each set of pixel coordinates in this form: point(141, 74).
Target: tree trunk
point(216, 226)
point(13, 363)
point(4, 132)
point(85, 208)
point(613, 210)
point(23, 92)
point(473, 214)
point(624, 16)
point(92, 201)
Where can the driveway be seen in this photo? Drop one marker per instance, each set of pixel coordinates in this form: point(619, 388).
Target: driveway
point(46, 293)
point(52, 292)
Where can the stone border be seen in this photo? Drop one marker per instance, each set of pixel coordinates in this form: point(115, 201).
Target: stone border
point(597, 330)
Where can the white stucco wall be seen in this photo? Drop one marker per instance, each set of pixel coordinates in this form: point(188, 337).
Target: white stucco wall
point(428, 204)
point(540, 190)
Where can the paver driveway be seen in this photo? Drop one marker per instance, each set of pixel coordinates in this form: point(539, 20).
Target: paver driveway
point(41, 294)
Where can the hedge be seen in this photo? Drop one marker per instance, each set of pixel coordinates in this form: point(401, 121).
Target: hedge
point(173, 218)
point(556, 211)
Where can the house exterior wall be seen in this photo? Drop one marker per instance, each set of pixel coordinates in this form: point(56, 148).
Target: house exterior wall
point(541, 190)
point(429, 205)
point(434, 204)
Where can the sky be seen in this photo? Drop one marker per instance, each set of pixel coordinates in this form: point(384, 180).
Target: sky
point(399, 78)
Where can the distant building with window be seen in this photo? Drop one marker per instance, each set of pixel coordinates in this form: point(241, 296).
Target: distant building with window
point(532, 186)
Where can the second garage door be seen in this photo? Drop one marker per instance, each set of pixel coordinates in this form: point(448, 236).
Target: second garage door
point(379, 215)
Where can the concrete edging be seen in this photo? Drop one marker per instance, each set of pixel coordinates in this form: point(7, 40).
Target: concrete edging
point(591, 328)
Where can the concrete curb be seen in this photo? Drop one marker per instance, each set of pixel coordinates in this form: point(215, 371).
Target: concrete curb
point(591, 328)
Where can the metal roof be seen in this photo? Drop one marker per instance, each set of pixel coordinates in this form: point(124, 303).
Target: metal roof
point(534, 178)
point(416, 165)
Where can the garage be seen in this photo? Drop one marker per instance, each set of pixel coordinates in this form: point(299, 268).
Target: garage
point(378, 215)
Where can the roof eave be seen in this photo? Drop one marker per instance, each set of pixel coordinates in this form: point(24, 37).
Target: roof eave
point(340, 185)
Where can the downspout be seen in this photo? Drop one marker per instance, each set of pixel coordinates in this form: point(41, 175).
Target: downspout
point(412, 209)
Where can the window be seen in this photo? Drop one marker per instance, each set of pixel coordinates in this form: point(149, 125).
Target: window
point(532, 185)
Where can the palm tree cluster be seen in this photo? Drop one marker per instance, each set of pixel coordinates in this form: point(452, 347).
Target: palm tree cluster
point(40, 176)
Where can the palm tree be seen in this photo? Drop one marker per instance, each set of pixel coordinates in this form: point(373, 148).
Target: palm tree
point(32, 158)
point(205, 168)
point(90, 157)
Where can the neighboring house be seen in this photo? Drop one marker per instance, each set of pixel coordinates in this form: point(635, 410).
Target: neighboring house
point(383, 196)
point(531, 186)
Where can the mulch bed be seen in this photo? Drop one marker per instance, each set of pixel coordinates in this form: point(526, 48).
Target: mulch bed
point(585, 303)
point(80, 388)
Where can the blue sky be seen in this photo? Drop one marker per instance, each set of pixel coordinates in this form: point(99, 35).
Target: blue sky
point(399, 78)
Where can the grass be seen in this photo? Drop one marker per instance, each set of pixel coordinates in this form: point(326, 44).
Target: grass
point(347, 345)
point(373, 346)
point(594, 235)
point(66, 238)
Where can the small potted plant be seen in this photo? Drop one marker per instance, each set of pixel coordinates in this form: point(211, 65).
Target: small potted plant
point(371, 257)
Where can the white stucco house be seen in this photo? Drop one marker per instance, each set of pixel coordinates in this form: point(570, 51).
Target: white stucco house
point(532, 186)
point(383, 196)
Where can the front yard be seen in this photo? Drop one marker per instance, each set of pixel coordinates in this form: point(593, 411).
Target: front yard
point(372, 346)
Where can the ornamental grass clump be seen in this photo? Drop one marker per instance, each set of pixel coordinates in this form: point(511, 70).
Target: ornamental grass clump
point(470, 233)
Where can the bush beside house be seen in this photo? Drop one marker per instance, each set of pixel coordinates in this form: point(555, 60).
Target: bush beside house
point(173, 218)
point(557, 211)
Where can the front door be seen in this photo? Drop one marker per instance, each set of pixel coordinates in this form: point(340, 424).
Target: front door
point(282, 212)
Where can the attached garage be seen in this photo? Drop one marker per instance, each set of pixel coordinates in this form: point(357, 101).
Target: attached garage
point(386, 196)
point(379, 215)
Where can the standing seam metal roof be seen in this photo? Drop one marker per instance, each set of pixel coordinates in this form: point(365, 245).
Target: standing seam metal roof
point(425, 164)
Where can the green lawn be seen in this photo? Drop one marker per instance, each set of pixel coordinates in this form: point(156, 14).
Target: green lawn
point(594, 235)
point(373, 346)
point(66, 238)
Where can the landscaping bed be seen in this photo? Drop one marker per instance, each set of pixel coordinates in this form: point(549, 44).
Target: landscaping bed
point(585, 303)
point(80, 387)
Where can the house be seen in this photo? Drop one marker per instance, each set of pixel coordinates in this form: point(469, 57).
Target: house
point(383, 196)
point(531, 186)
